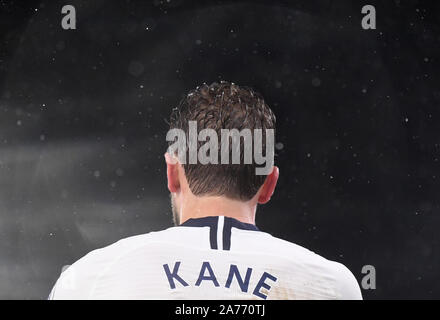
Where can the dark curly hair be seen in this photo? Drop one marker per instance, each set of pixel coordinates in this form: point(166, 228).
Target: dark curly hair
point(219, 106)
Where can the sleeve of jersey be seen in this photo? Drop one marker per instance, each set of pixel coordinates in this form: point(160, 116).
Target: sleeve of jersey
point(347, 284)
point(78, 280)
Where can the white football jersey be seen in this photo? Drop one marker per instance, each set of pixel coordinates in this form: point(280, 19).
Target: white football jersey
point(205, 258)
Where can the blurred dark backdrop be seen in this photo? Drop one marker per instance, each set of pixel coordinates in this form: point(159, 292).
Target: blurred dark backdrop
point(83, 122)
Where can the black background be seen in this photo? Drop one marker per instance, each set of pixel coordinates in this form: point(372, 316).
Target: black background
point(83, 122)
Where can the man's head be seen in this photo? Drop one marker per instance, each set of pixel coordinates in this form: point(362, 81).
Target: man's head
point(221, 106)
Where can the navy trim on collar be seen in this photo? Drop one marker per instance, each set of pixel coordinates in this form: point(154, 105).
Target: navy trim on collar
point(212, 222)
point(225, 229)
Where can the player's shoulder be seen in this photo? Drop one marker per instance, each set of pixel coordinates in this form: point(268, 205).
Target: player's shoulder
point(345, 282)
point(122, 246)
point(119, 248)
point(78, 279)
point(286, 248)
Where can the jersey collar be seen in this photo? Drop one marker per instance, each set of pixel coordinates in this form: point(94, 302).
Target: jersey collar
point(213, 220)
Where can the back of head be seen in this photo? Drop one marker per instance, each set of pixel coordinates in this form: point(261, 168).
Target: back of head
point(222, 106)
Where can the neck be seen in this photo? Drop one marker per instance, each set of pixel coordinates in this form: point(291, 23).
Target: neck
point(205, 206)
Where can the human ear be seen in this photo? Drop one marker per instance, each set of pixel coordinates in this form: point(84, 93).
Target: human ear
point(268, 186)
point(172, 173)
